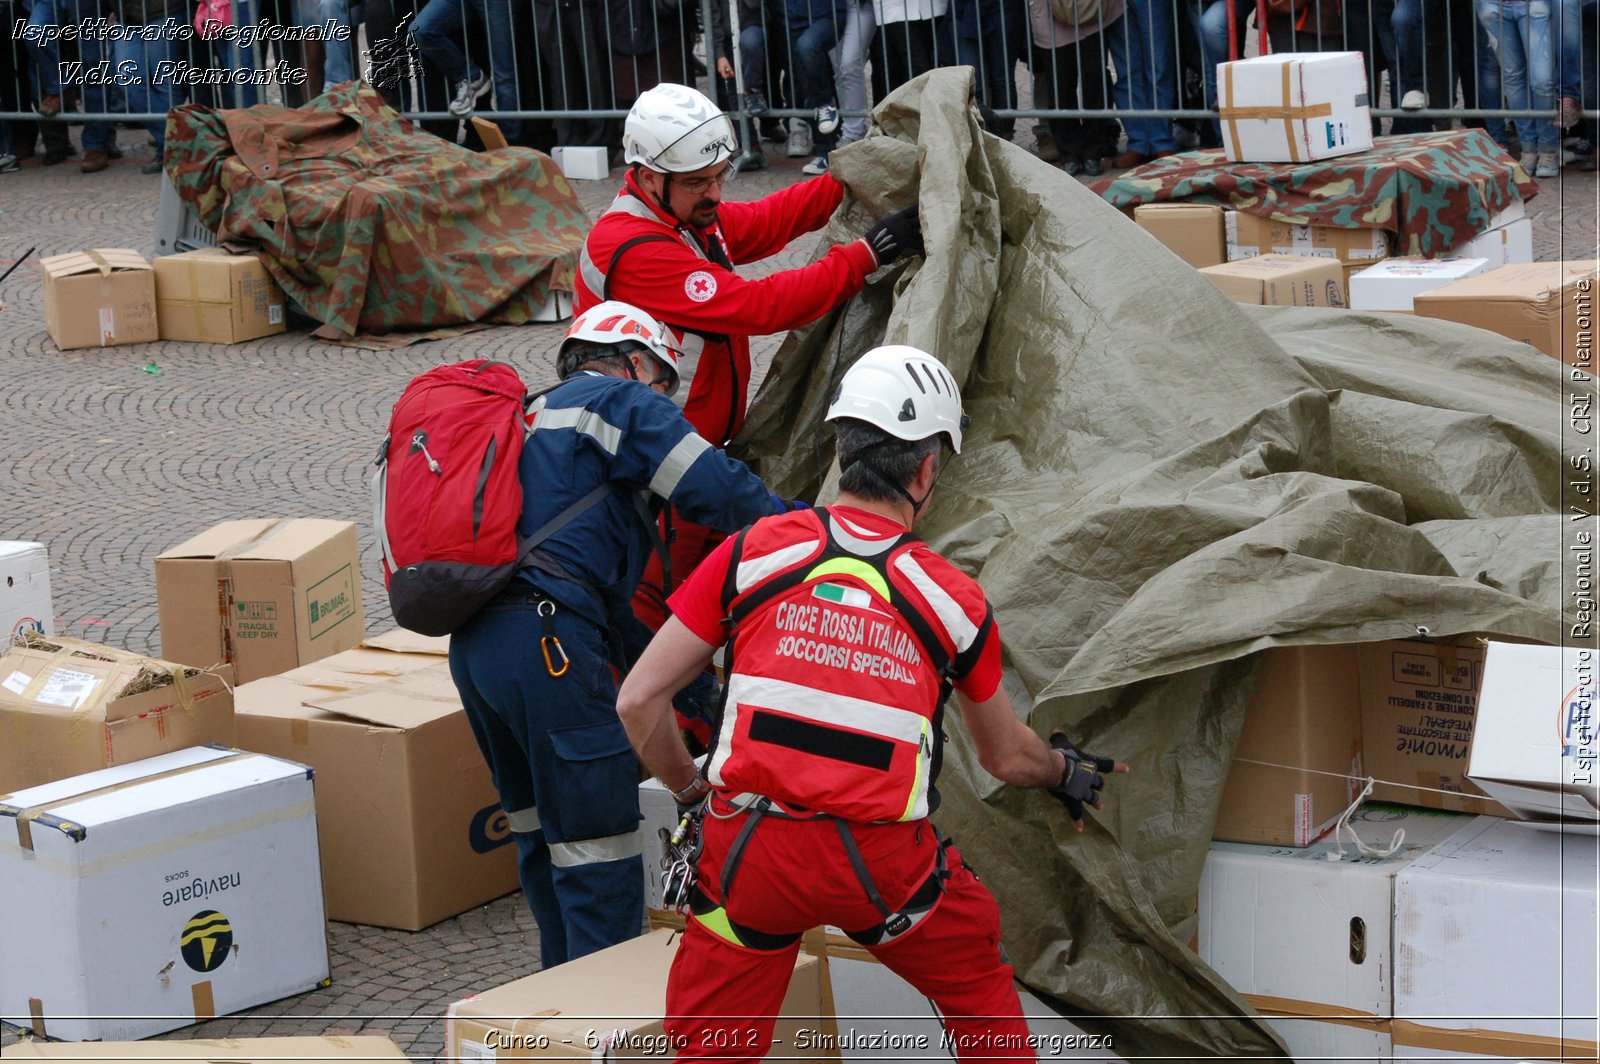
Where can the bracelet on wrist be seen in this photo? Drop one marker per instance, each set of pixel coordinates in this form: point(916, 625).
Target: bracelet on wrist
point(697, 788)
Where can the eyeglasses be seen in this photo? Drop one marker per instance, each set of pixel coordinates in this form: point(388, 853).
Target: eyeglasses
point(696, 185)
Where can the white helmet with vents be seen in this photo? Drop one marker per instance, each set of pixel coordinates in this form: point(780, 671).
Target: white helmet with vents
point(903, 391)
point(616, 322)
point(676, 130)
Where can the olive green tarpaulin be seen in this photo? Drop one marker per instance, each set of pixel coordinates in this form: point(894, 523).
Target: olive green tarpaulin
point(1158, 483)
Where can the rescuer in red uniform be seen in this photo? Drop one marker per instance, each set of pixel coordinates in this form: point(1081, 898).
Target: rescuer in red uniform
point(847, 634)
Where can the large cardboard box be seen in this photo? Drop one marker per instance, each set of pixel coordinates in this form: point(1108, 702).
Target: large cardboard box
point(1280, 281)
point(307, 1049)
point(609, 1004)
point(99, 298)
point(264, 595)
point(1306, 934)
point(383, 727)
point(1537, 738)
point(1503, 245)
point(211, 295)
point(1298, 761)
point(1191, 231)
point(1394, 284)
point(25, 603)
point(146, 897)
point(1249, 235)
point(1419, 701)
point(1550, 305)
point(68, 707)
point(1495, 945)
point(1294, 107)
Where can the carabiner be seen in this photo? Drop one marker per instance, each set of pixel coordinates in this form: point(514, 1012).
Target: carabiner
point(547, 613)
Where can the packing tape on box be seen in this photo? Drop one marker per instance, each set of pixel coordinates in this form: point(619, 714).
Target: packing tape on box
point(107, 308)
point(1295, 1009)
point(1231, 115)
point(36, 1013)
point(27, 815)
point(205, 1006)
point(1499, 1044)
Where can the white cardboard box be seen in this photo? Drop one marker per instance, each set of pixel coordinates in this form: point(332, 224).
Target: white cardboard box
point(1501, 246)
point(1538, 732)
point(660, 814)
point(582, 163)
point(1301, 935)
point(1495, 937)
point(25, 601)
point(1294, 107)
point(1393, 283)
point(152, 895)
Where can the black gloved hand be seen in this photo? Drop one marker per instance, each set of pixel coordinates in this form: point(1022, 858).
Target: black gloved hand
point(1081, 778)
point(895, 236)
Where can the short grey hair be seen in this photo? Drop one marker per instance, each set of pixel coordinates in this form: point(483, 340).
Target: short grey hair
point(873, 464)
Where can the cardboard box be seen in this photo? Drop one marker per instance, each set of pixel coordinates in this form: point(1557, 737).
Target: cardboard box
point(1280, 281)
point(660, 814)
point(607, 1004)
point(68, 707)
point(308, 1049)
point(1308, 937)
point(1495, 945)
point(1419, 701)
point(99, 298)
point(1501, 246)
point(1249, 235)
point(1294, 107)
point(1393, 283)
point(213, 296)
point(582, 163)
point(1550, 305)
point(25, 603)
point(1538, 733)
point(383, 727)
point(1191, 231)
point(1306, 713)
point(490, 133)
point(265, 595)
point(150, 896)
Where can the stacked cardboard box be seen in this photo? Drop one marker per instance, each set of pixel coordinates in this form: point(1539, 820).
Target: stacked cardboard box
point(1191, 231)
point(263, 595)
point(1294, 107)
point(146, 897)
point(25, 603)
point(1393, 284)
point(1280, 281)
point(384, 728)
point(1550, 305)
point(99, 298)
point(69, 707)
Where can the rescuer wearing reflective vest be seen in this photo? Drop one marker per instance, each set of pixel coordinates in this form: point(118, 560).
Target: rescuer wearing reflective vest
point(669, 244)
point(847, 633)
point(535, 667)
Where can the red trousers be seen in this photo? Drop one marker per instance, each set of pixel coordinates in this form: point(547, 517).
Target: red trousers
point(723, 997)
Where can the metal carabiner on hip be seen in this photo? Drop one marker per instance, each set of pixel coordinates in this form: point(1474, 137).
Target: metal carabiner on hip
point(549, 641)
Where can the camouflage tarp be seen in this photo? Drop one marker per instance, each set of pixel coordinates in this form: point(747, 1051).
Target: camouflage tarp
point(1435, 190)
point(1157, 484)
point(372, 225)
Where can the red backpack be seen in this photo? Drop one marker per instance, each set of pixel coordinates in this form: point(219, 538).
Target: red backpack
point(446, 497)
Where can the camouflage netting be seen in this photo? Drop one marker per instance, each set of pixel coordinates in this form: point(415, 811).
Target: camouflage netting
point(1157, 484)
point(372, 225)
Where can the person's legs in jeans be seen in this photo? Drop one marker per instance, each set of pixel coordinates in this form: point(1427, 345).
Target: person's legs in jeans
point(46, 57)
point(1141, 44)
point(338, 56)
point(496, 16)
point(850, 81)
point(435, 30)
point(232, 57)
point(1569, 73)
point(1539, 37)
point(149, 93)
point(810, 46)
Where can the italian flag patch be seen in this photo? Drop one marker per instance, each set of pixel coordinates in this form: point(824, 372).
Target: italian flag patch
point(844, 596)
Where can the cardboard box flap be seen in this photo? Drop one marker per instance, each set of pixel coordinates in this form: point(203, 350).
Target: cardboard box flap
point(406, 641)
point(292, 540)
point(405, 702)
point(101, 260)
point(222, 539)
point(306, 1049)
point(360, 666)
point(77, 676)
point(1528, 282)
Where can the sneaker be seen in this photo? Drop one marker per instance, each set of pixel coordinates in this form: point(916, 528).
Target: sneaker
point(1415, 100)
point(1529, 162)
point(50, 106)
point(1549, 165)
point(467, 92)
point(816, 166)
point(9, 164)
point(1571, 113)
point(152, 167)
point(755, 103)
point(799, 139)
point(826, 118)
point(1093, 167)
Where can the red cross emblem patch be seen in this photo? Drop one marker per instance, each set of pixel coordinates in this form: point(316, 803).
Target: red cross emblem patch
point(700, 286)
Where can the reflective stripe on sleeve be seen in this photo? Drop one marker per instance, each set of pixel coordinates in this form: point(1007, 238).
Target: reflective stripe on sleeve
point(607, 435)
point(955, 620)
point(756, 570)
point(597, 851)
point(677, 462)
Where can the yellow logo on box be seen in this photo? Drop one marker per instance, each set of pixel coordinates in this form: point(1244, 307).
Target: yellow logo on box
point(207, 939)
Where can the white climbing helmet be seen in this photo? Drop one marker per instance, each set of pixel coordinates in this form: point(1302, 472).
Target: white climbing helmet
point(903, 391)
point(676, 130)
point(616, 322)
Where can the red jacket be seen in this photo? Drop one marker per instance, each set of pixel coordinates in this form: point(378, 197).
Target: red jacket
point(640, 254)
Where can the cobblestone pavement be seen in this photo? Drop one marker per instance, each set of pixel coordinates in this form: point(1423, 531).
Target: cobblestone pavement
point(114, 455)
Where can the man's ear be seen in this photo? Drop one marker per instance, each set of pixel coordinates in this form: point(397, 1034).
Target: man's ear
point(927, 473)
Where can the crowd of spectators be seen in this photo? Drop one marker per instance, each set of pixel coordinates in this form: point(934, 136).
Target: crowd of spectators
point(821, 61)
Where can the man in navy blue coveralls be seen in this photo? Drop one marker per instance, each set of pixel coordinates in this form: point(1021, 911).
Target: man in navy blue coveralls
point(535, 666)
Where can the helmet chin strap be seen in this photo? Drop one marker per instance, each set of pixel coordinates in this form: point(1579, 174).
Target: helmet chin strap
point(916, 503)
